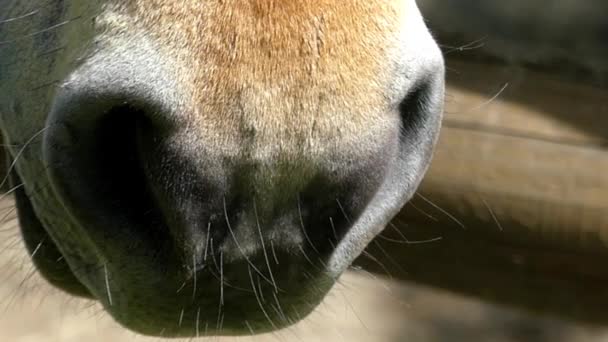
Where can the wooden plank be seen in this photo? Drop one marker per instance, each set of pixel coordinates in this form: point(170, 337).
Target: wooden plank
point(515, 204)
point(508, 99)
point(562, 35)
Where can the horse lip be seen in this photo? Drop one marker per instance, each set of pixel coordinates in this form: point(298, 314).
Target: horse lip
point(44, 252)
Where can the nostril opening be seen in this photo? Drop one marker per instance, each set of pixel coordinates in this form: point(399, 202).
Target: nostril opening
point(412, 109)
point(421, 112)
point(116, 151)
point(116, 148)
point(96, 167)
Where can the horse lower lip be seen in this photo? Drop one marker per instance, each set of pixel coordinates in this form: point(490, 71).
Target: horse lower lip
point(45, 254)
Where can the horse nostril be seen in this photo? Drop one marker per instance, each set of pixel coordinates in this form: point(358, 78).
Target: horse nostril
point(113, 154)
point(93, 152)
point(421, 113)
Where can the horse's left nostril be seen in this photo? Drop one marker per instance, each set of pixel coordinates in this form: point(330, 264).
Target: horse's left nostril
point(93, 152)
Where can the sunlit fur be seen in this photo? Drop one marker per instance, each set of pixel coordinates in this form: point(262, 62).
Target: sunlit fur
point(300, 79)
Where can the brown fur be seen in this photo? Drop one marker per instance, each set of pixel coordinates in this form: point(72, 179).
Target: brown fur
point(271, 77)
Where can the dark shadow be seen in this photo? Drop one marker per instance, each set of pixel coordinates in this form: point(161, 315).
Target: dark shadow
point(573, 101)
point(558, 47)
point(566, 35)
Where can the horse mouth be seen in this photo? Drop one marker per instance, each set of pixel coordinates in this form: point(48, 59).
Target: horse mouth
point(217, 297)
point(43, 251)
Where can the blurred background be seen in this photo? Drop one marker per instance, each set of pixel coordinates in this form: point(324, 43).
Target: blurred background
point(506, 239)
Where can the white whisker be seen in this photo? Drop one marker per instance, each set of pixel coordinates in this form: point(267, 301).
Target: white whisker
point(107, 279)
point(443, 211)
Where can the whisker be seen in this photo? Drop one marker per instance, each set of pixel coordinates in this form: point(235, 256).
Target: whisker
point(306, 257)
point(296, 312)
point(105, 270)
point(307, 275)
point(220, 313)
point(260, 291)
point(217, 267)
point(258, 299)
point(375, 277)
point(23, 16)
point(476, 44)
point(8, 216)
point(10, 227)
point(228, 284)
point(11, 266)
point(249, 327)
point(11, 243)
point(281, 312)
point(415, 242)
point(352, 308)
point(10, 191)
point(207, 242)
point(390, 258)
point(33, 255)
point(220, 323)
point(257, 221)
point(483, 104)
point(378, 262)
point(423, 212)
point(493, 215)
point(343, 211)
point(20, 153)
point(194, 276)
point(304, 229)
point(198, 318)
point(333, 228)
point(331, 243)
point(238, 246)
point(182, 286)
point(405, 240)
point(221, 279)
point(35, 33)
point(181, 318)
point(443, 211)
point(7, 207)
point(11, 298)
point(274, 253)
